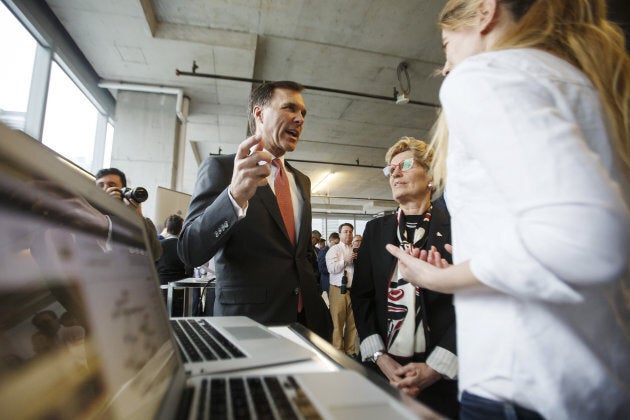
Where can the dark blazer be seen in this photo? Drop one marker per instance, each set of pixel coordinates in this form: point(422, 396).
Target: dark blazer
point(259, 273)
point(375, 267)
point(169, 266)
point(370, 283)
point(324, 275)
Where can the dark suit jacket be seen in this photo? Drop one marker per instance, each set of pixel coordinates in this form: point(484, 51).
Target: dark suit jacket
point(324, 275)
point(259, 273)
point(374, 269)
point(169, 266)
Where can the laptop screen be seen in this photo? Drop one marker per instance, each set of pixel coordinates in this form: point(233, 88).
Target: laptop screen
point(83, 330)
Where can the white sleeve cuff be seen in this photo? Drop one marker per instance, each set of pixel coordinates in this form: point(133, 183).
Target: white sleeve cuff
point(371, 345)
point(443, 362)
point(240, 213)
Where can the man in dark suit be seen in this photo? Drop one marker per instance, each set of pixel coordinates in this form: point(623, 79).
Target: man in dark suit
point(243, 200)
point(169, 266)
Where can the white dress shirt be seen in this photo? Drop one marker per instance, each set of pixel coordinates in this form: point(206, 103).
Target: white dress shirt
point(536, 209)
point(338, 260)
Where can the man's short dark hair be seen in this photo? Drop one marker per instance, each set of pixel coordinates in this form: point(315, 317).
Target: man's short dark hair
point(113, 171)
point(262, 94)
point(173, 224)
point(346, 224)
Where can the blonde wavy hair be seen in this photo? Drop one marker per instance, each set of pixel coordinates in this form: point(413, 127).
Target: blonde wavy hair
point(574, 30)
point(422, 152)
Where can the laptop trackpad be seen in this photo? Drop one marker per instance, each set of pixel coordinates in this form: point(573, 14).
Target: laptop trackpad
point(249, 333)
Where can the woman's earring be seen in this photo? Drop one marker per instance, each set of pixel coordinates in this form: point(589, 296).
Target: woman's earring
point(430, 185)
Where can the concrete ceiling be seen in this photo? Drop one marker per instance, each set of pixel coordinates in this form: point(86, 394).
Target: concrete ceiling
point(350, 45)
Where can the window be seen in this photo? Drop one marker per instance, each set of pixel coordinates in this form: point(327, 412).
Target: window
point(329, 223)
point(359, 226)
point(70, 123)
point(38, 97)
point(16, 73)
point(109, 141)
point(320, 225)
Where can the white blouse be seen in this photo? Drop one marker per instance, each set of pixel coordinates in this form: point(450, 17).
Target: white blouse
point(536, 209)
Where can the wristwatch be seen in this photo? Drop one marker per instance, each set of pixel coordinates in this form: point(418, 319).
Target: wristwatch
point(375, 356)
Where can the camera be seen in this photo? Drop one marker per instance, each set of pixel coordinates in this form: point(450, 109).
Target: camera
point(355, 251)
point(138, 194)
point(344, 284)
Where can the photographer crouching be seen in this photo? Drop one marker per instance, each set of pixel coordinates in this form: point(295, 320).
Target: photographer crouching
point(114, 182)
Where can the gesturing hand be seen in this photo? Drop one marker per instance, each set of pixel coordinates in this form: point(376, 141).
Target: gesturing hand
point(434, 273)
point(433, 257)
point(412, 267)
point(248, 174)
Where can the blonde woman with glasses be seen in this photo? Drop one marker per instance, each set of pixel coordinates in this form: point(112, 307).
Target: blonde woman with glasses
point(535, 138)
point(407, 333)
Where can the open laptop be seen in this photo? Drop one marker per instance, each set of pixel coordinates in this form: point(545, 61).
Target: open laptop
point(84, 332)
point(215, 344)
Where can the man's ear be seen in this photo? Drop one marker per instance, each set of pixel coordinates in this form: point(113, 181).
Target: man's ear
point(257, 111)
point(488, 14)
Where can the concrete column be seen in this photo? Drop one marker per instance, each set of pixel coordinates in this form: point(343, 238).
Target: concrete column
point(145, 142)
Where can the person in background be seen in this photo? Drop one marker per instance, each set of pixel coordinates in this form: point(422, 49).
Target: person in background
point(324, 276)
point(538, 168)
point(312, 256)
point(356, 241)
point(407, 333)
point(320, 244)
point(169, 266)
point(340, 263)
point(243, 200)
point(356, 244)
point(113, 181)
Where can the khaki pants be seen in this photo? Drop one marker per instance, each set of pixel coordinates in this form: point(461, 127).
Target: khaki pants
point(344, 331)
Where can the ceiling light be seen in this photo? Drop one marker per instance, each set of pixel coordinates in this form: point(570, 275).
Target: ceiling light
point(322, 182)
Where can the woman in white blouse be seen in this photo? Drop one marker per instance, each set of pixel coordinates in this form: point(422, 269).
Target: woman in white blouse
point(536, 127)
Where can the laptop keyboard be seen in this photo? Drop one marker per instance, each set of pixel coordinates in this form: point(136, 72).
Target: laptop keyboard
point(199, 341)
point(253, 398)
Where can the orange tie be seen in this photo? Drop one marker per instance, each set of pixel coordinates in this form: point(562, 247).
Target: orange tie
point(283, 195)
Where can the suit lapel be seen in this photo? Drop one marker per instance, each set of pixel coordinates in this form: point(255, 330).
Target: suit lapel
point(268, 199)
point(440, 224)
point(389, 237)
point(304, 188)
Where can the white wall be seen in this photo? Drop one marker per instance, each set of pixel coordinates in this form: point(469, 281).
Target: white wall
point(145, 140)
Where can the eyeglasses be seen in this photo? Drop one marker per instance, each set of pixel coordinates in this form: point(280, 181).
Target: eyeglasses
point(404, 166)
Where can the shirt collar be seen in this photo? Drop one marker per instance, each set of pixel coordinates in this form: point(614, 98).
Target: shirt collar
point(281, 157)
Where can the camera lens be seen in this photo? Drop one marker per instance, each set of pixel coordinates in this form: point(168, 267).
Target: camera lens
point(138, 194)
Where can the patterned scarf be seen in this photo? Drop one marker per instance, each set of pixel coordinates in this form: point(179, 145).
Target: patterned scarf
point(405, 329)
